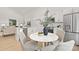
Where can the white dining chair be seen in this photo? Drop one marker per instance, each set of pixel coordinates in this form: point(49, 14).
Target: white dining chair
point(65, 46)
point(27, 45)
point(60, 33)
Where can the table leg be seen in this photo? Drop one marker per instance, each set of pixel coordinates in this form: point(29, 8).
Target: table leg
point(46, 44)
point(42, 44)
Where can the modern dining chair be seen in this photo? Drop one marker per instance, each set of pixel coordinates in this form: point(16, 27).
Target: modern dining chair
point(26, 44)
point(60, 33)
point(65, 46)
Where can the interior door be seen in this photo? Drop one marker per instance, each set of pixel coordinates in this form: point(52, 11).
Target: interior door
point(68, 23)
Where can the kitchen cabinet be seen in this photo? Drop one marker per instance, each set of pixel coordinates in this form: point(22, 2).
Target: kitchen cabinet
point(76, 9)
point(70, 36)
point(71, 27)
point(68, 22)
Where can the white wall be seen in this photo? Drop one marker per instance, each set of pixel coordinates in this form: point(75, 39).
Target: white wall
point(34, 13)
point(56, 12)
point(6, 14)
point(38, 13)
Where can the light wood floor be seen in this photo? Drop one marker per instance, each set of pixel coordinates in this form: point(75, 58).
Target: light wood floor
point(9, 43)
point(76, 48)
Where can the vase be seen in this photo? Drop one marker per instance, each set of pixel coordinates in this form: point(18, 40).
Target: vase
point(45, 31)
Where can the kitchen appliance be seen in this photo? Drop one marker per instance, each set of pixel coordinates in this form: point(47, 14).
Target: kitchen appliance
point(71, 27)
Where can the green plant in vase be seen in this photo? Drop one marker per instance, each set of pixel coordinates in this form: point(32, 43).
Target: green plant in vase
point(46, 22)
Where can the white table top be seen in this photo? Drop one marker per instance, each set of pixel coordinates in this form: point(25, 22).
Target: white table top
point(42, 38)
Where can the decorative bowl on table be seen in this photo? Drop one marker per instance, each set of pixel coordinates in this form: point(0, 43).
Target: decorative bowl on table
point(40, 33)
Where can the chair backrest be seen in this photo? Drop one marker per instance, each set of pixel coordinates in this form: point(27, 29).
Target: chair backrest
point(66, 46)
point(69, 45)
point(22, 37)
point(25, 31)
point(60, 34)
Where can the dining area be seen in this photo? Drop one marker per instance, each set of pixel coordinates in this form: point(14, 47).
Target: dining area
point(37, 41)
point(43, 34)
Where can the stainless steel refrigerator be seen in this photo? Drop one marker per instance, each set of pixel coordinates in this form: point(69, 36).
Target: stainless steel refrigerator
point(71, 27)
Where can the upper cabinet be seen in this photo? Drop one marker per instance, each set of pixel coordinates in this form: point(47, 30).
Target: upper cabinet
point(70, 10)
point(76, 9)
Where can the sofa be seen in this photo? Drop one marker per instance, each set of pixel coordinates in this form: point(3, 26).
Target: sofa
point(9, 30)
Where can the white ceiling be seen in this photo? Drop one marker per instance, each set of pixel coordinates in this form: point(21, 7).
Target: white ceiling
point(23, 10)
point(26, 10)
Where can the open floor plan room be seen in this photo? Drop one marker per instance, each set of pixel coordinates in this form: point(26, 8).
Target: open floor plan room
point(39, 28)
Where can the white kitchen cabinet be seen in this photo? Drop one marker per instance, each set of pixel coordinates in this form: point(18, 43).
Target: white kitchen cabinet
point(76, 9)
point(70, 10)
point(72, 36)
point(68, 23)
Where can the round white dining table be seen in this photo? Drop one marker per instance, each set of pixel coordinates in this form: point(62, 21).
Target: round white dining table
point(44, 38)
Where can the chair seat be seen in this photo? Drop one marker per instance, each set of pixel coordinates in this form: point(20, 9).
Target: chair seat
point(66, 46)
point(56, 42)
point(30, 46)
